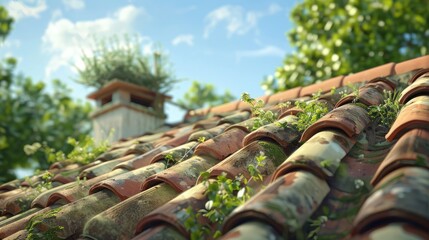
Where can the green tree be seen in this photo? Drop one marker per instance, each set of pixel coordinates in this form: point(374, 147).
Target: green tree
point(123, 59)
point(29, 113)
point(5, 23)
point(201, 95)
point(335, 37)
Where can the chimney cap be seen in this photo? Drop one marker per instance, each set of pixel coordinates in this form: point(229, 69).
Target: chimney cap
point(116, 84)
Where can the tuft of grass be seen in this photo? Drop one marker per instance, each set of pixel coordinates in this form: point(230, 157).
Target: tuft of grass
point(386, 113)
point(312, 111)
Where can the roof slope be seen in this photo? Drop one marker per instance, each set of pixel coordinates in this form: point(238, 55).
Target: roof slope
point(344, 176)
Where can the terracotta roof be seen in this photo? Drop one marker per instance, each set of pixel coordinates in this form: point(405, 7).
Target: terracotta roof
point(374, 187)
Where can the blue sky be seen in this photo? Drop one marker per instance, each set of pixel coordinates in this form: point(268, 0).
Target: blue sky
point(230, 44)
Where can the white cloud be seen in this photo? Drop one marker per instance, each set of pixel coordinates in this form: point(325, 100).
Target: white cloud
point(183, 39)
point(274, 8)
point(74, 4)
point(56, 14)
point(10, 43)
point(237, 20)
point(65, 40)
point(19, 9)
point(267, 51)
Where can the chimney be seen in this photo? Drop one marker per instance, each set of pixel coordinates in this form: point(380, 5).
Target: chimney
point(127, 110)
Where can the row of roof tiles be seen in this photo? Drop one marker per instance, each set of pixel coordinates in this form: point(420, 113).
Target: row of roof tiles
point(388, 69)
point(133, 191)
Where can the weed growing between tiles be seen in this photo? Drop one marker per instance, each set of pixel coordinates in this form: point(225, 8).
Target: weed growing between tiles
point(223, 195)
point(385, 114)
point(346, 90)
point(261, 116)
point(50, 234)
point(44, 184)
point(83, 152)
point(175, 157)
point(311, 112)
point(316, 224)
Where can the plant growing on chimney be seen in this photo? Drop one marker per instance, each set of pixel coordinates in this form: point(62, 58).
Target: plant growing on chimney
point(122, 58)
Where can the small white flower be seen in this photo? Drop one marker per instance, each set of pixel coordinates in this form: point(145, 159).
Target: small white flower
point(240, 193)
point(209, 205)
point(359, 183)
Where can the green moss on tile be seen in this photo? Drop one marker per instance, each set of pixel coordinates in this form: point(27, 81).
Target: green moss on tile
point(49, 234)
point(273, 151)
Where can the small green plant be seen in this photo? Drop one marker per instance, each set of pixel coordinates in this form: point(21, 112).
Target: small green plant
point(81, 182)
point(311, 112)
point(121, 57)
point(201, 139)
point(262, 117)
point(223, 195)
point(316, 225)
point(286, 105)
point(326, 163)
point(83, 152)
point(385, 114)
point(170, 159)
point(350, 88)
point(175, 157)
point(35, 234)
point(45, 183)
point(421, 161)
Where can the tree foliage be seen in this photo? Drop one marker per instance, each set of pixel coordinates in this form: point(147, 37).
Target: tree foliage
point(123, 59)
point(335, 37)
point(201, 95)
point(29, 113)
point(5, 23)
